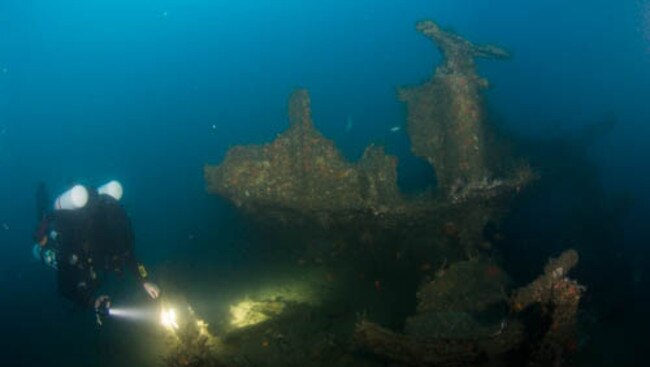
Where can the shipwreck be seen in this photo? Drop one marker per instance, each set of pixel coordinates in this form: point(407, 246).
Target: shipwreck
point(466, 311)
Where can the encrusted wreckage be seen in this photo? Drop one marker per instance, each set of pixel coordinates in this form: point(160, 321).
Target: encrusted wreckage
point(464, 314)
point(457, 322)
point(560, 298)
point(302, 176)
point(446, 118)
point(302, 171)
point(464, 317)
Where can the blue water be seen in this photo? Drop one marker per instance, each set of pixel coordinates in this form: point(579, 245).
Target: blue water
point(150, 91)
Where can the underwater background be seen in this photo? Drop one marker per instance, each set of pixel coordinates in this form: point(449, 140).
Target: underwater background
point(148, 92)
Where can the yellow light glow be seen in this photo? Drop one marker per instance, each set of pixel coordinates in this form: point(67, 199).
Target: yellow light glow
point(248, 312)
point(202, 326)
point(241, 315)
point(168, 318)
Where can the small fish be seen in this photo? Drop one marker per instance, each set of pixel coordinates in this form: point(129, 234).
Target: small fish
point(378, 285)
point(348, 124)
point(395, 129)
point(214, 126)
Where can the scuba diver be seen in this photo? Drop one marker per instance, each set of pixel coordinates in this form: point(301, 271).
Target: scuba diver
point(87, 235)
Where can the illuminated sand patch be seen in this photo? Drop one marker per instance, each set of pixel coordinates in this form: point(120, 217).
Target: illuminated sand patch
point(273, 295)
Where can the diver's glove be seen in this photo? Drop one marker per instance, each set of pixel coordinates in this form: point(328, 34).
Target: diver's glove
point(152, 290)
point(102, 308)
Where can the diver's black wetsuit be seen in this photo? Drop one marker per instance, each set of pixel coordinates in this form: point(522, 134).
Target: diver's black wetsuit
point(88, 242)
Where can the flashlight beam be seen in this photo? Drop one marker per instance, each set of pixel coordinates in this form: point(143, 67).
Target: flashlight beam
point(135, 314)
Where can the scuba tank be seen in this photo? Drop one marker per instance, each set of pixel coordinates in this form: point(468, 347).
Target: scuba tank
point(75, 198)
point(112, 188)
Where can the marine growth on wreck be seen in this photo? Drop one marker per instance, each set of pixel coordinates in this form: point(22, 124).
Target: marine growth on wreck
point(303, 172)
point(466, 312)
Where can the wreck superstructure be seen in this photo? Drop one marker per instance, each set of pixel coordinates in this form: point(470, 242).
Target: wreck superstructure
point(302, 171)
point(446, 117)
point(301, 175)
